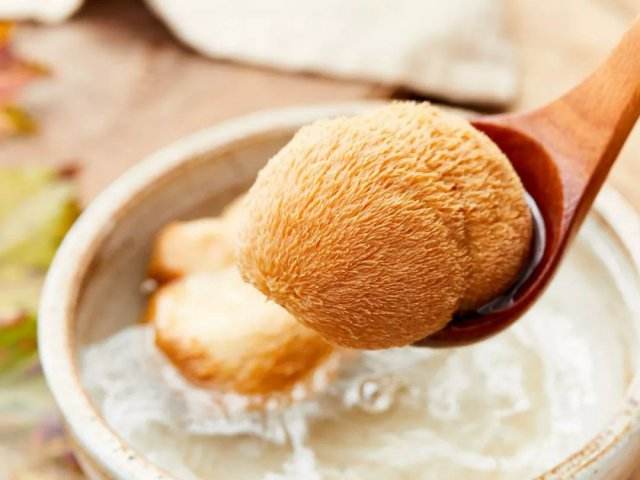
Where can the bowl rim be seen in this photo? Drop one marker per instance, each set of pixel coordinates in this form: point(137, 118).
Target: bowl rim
point(62, 287)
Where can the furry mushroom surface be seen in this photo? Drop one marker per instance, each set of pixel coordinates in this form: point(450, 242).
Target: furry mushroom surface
point(218, 330)
point(221, 332)
point(375, 229)
point(194, 246)
point(200, 245)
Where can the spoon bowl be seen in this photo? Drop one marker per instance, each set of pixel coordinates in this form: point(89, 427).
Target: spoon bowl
point(529, 159)
point(562, 153)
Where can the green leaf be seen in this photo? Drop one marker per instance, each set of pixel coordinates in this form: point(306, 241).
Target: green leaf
point(37, 207)
point(19, 292)
point(31, 229)
point(18, 184)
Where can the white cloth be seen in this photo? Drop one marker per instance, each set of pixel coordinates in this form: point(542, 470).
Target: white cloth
point(39, 10)
point(453, 49)
point(450, 48)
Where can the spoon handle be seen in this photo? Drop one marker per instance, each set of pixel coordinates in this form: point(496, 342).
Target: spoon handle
point(586, 128)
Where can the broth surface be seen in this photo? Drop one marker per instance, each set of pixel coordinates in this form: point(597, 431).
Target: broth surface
point(508, 408)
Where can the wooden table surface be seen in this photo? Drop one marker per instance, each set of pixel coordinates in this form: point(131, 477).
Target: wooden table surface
point(131, 89)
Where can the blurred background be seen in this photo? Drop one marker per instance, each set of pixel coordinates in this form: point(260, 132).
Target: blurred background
point(89, 89)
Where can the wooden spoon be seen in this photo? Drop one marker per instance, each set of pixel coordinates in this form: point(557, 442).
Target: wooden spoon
point(563, 153)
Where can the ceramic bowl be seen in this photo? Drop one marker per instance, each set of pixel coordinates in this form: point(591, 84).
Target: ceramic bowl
point(92, 289)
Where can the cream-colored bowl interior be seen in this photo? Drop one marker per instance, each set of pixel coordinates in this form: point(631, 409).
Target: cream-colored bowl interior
point(94, 286)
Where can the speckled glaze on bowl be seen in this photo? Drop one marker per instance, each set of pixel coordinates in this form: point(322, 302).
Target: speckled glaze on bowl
point(92, 289)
